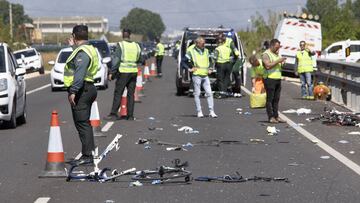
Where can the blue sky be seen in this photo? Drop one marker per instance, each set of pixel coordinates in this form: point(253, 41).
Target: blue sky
point(176, 14)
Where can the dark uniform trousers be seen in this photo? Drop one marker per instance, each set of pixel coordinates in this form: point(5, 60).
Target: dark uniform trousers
point(81, 115)
point(124, 80)
point(159, 60)
point(273, 89)
point(223, 71)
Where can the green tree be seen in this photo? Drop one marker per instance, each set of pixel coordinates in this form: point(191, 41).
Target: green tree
point(4, 32)
point(144, 22)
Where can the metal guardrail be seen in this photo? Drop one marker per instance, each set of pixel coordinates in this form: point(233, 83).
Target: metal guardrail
point(343, 79)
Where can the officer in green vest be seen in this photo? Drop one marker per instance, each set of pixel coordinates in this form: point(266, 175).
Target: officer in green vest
point(304, 70)
point(225, 55)
point(257, 74)
point(80, 68)
point(272, 63)
point(159, 55)
point(125, 62)
point(197, 61)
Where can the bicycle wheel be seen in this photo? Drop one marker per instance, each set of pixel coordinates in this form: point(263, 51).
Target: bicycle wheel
point(163, 174)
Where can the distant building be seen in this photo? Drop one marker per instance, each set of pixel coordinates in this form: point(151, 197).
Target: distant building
point(47, 25)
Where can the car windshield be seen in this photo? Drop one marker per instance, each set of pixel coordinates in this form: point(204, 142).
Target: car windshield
point(102, 47)
point(64, 56)
point(27, 53)
point(2, 60)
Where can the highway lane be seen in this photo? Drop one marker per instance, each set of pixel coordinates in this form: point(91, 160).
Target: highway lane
point(23, 152)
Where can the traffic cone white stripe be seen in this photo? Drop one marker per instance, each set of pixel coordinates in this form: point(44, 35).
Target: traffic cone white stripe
point(55, 142)
point(95, 115)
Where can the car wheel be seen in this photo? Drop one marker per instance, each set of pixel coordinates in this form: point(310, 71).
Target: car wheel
point(22, 118)
point(12, 122)
point(42, 70)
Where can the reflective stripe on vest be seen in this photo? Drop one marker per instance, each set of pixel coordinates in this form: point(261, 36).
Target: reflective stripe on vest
point(275, 72)
point(305, 63)
point(160, 50)
point(91, 70)
point(224, 54)
point(130, 53)
point(201, 60)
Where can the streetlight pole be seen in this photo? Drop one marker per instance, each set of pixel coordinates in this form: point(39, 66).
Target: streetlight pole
point(11, 21)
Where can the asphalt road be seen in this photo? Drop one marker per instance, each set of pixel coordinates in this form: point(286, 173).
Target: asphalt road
point(288, 154)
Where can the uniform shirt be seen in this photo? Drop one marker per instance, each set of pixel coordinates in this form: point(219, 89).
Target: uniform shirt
point(232, 47)
point(81, 63)
point(116, 59)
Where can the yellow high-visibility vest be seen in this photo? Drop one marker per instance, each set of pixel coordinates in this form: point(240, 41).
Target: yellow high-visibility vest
point(305, 63)
point(275, 72)
point(200, 60)
point(130, 54)
point(91, 70)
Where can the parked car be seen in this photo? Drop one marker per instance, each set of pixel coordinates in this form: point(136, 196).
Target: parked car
point(348, 51)
point(103, 48)
point(12, 89)
point(183, 79)
point(57, 72)
point(30, 59)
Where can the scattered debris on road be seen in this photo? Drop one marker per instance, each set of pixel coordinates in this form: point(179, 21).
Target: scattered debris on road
point(271, 130)
point(153, 128)
point(239, 179)
point(325, 157)
point(354, 133)
point(188, 130)
point(257, 141)
point(352, 152)
point(334, 117)
point(175, 149)
point(298, 111)
point(135, 184)
point(343, 141)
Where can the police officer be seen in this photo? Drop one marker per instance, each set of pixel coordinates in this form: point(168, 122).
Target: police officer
point(223, 66)
point(125, 62)
point(257, 74)
point(304, 70)
point(159, 55)
point(197, 61)
point(80, 68)
point(272, 63)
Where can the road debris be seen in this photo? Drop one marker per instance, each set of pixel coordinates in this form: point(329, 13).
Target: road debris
point(147, 147)
point(298, 111)
point(151, 118)
point(352, 152)
point(257, 140)
point(175, 149)
point(334, 117)
point(354, 133)
point(271, 130)
point(315, 141)
point(153, 128)
point(293, 164)
point(343, 141)
point(325, 157)
point(188, 130)
point(239, 179)
point(135, 184)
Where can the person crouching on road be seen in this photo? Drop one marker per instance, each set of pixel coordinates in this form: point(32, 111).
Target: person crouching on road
point(305, 68)
point(197, 61)
point(80, 68)
point(125, 62)
point(257, 73)
point(159, 55)
point(272, 63)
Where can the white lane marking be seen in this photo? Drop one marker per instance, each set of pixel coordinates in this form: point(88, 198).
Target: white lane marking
point(107, 126)
point(42, 200)
point(340, 157)
point(38, 89)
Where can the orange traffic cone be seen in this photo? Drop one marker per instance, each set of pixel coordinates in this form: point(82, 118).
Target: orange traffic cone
point(152, 68)
point(138, 88)
point(146, 73)
point(55, 166)
point(95, 120)
point(123, 106)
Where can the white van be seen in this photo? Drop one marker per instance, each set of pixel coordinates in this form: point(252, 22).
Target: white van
point(348, 51)
point(290, 31)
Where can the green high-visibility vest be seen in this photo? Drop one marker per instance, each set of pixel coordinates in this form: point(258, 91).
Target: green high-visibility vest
point(91, 70)
point(130, 54)
point(228, 42)
point(200, 60)
point(160, 50)
point(275, 72)
point(305, 63)
point(224, 53)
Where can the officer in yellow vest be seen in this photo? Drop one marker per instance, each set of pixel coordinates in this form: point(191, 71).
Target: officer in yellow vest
point(272, 63)
point(159, 55)
point(257, 74)
point(304, 70)
point(125, 63)
point(225, 58)
point(197, 61)
point(80, 68)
